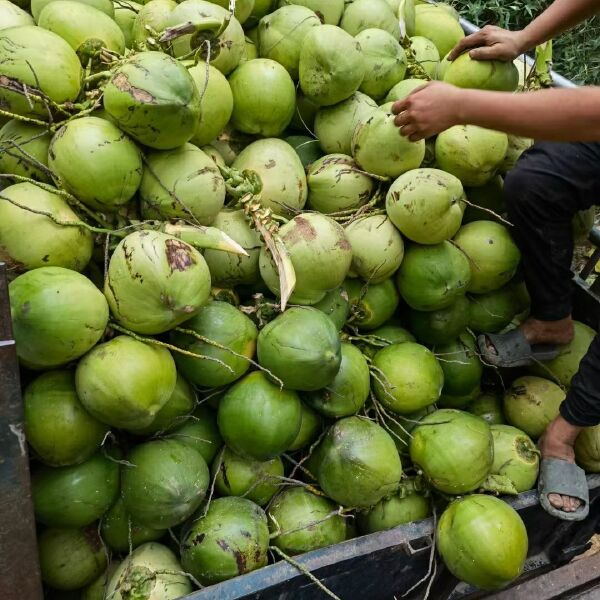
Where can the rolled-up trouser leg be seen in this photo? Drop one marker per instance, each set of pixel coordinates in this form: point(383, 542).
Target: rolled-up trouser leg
point(581, 407)
point(549, 184)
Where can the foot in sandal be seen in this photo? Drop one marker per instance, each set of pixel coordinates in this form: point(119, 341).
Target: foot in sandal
point(533, 341)
point(562, 485)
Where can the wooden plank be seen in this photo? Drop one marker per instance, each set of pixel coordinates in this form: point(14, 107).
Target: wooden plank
point(566, 582)
point(19, 566)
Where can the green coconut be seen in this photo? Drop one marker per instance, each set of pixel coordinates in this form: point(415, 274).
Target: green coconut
point(492, 254)
point(85, 28)
point(566, 364)
point(200, 431)
point(175, 412)
point(329, 12)
point(407, 377)
point(281, 35)
point(105, 6)
point(153, 16)
point(243, 8)
point(71, 558)
point(515, 457)
point(233, 269)
point(24, 149)
point(379, 149)
point(349, 391)
point(153, 98)
point(371, 305)
point(57, 426)
point(226, 51)
point(97, 589)
point(39, 60)
point(257, 419)
point(336, 183)
point(489, 407)
point(214, 155)
point(454, 449)
point(301, 347)
point(460, 401)
point(152, 572)
point(183, 183)
point(165, 484)
point(404, 507)
point(492, 312)
point(403, 89)
point(440, 326)
point(426, 205)
point(125, 18)
point(96, 162)
point(155, 282)
point(471, 153)
point(29, 240)
point(483, 541)
point(216, 103)
point(496, 75)
point(516, 146)
point(439, 26)
point(235, 475)
point(426, 54)
point(251, 51)
point(307, 148)
point(461, 365)
point(12, 15)
point(230, 540)
point(335, 125)
point(77, 495)
point(331, 65)
point(336, 306)
point(234, 341)
point(253, 111)
point(57, 316)
point(124, 383)
point(310, 427)
point(370, 14)
point(320, 253)
point(587, 449)
point(377, 248)
point(488, 196)
point(531, 403)
point(121, 534)
point(384, 336)
point(385, 62)
point(281, 173)
point(358, 463)
point(433, 277)
point(301, 521)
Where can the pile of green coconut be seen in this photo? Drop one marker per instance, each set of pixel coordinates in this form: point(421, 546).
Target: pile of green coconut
point(245, 307)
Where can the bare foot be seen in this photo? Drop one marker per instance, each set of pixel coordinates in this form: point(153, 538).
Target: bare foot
point(557, 442)
point(545, 332)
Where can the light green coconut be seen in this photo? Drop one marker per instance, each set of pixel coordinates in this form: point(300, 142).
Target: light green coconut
point(496, 75)
point(471, 153)
point(426, 205)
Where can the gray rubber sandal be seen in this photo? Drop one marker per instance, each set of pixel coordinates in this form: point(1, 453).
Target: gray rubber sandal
point(559, 476)
point(513, 350)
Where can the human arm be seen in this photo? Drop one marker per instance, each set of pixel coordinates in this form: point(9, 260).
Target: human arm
point(552, 115)
point(497, 43)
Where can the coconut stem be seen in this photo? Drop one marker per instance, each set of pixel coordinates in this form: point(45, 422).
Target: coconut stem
point(202, 237)
point(147, 340)
point(11, 115)
point(414, 68)
point(304, 571)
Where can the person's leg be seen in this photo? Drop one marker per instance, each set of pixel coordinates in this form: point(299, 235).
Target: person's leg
point(550, 183)
point(581, 408)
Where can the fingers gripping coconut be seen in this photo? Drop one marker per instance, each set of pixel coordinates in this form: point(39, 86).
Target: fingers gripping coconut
point(542, 243)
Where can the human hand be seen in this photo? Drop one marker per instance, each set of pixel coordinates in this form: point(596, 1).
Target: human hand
point(428, 110)
point(491, 43)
